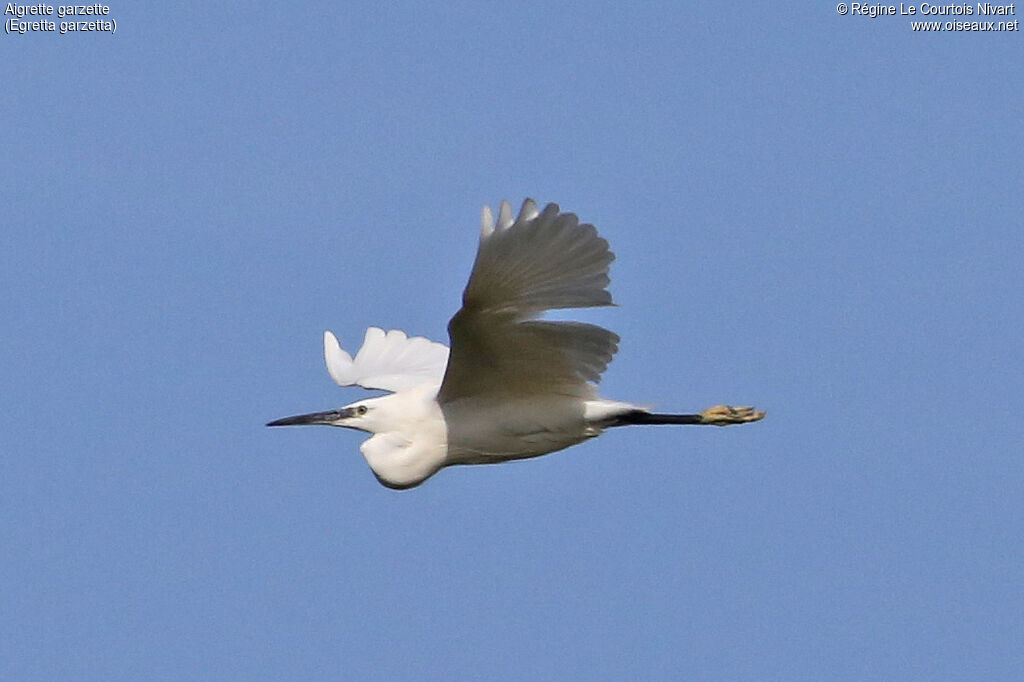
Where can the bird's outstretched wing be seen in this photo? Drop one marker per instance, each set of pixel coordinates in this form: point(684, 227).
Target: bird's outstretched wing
point(542, 260)
point(389, 361)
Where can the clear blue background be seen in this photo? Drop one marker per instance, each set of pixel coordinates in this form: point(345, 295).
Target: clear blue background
point(817, 214)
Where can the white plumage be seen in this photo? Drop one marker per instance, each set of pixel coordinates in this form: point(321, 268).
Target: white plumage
point(512, 386)
point(389, 361)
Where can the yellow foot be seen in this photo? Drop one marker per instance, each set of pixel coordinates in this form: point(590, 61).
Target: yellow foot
point(724, 415)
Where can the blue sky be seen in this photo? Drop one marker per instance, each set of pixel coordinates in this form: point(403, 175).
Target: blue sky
point(814, 213)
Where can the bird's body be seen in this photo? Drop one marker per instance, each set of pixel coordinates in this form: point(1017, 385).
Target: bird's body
point(512, 386)
point(493, 430)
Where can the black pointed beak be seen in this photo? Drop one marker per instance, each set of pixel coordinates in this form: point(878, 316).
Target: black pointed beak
point(329, 417)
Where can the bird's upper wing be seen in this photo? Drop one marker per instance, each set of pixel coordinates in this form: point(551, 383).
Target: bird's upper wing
point(542, 260)
point(390, 361)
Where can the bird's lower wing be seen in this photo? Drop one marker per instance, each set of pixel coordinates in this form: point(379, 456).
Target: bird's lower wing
point(539, 261)
point(495, 355)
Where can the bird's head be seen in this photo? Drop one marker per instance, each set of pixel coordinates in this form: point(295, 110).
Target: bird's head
point(358, 415)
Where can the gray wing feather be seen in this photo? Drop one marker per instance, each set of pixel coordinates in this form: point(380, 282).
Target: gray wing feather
point(542, 261)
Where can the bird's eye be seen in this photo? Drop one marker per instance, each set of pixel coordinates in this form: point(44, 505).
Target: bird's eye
point(361, 410)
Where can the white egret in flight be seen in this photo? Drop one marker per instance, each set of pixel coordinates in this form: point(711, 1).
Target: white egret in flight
point(512, 386)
